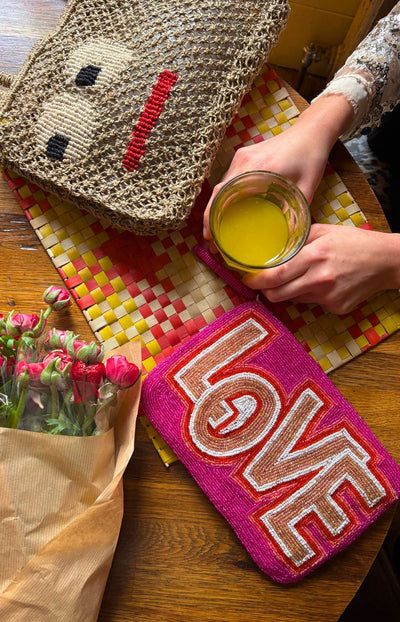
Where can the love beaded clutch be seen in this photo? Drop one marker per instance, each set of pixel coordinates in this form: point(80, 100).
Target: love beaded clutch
point(275, 446)
point(122, 108)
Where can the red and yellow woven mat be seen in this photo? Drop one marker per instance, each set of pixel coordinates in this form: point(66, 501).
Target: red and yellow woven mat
point(156, 290)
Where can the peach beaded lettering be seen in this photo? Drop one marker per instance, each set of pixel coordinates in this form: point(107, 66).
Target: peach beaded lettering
point(278, 450)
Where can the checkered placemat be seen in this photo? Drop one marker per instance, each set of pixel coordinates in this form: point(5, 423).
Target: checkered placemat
point(156, 290)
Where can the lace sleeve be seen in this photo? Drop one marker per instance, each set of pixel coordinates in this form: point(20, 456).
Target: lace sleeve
point(370, 78)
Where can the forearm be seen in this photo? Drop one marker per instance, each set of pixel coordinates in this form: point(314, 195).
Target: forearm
point(389, 255)
point(327, 118)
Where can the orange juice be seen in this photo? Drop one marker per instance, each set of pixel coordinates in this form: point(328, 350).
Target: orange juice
point(253, 230)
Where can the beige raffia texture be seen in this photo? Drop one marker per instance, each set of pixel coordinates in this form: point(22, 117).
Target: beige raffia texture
point(214, 47)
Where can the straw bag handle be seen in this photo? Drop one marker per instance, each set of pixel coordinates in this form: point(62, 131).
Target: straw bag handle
point(6, 79)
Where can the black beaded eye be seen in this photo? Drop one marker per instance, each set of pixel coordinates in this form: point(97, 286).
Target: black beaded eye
point(67, 124)
point(65, 129)
point(96, 63)
point(56, 146)
point(87, 75)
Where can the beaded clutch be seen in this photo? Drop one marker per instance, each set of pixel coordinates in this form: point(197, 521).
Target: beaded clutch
point(275, 446)
point(122, 108)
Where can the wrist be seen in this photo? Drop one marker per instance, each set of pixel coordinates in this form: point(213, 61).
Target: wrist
point(390, 254)
point(327, 118)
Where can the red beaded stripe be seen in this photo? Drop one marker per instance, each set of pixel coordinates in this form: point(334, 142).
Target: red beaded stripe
point(148, 119)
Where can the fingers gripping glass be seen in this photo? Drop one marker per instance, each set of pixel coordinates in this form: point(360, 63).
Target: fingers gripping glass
point(258, 220)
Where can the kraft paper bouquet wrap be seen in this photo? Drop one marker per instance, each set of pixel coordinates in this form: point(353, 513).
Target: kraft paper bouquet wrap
point(61, 502)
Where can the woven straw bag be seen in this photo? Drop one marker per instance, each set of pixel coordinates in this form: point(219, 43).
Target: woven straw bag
point(122, 108)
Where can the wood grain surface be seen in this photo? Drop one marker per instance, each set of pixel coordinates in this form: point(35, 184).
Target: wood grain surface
point(177, 559)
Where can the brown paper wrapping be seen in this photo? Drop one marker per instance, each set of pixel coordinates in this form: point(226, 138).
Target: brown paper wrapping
point(60, 515)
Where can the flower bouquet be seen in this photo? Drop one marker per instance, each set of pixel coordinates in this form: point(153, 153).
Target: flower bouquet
point(67, 425)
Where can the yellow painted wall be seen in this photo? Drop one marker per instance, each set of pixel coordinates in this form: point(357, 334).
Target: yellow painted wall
point(313, 21)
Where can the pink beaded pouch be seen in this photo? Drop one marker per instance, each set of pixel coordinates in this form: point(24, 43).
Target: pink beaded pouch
point(275, 446)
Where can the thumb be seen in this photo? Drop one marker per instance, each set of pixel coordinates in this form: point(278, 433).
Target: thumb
point(206, 216)
point(317, 230)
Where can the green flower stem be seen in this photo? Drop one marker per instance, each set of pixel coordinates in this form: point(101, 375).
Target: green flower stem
point(17, 412)
point(55, 403)
point(65, 411)
point(88, 425)
point(86, 414)
point(47, 312)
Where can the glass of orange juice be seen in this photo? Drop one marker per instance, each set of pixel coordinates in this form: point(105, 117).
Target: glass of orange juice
point(259, 220)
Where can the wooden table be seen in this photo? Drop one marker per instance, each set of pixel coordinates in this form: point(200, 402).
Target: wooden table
point(177, 559)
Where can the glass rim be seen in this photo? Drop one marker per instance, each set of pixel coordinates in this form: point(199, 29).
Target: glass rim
point(302, 240)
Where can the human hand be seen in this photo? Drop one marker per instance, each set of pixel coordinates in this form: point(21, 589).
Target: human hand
point(299, 153)
point(339, 267)
point(283, 154)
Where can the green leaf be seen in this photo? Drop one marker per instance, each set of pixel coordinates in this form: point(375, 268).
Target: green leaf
point(59, 426)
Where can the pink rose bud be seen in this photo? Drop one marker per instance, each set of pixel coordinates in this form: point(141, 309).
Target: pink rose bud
point(57, 297)
point(32, 370)
point(86, 380)
point(63, 359)
point(58, 338)
point(88, 352)
point(121, 372)
point(21, 374)
point(56, 370)
point(21, 323)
